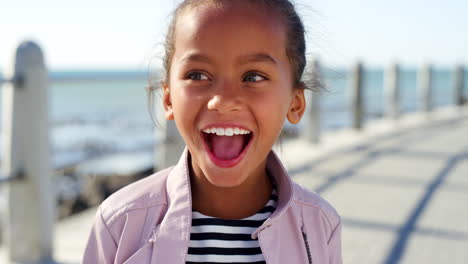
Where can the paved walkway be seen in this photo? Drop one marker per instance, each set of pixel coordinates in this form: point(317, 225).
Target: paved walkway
point(403, 197)
point(400, 187)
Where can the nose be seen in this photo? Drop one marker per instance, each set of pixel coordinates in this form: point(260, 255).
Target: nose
point(226, 98)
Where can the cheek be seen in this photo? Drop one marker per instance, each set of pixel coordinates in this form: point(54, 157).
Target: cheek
point(181, 106)
point(181, 96)
point(272, 107)
point(186, 104)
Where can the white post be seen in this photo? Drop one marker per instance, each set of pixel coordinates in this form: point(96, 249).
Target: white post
point(30, 201)
point(172, 147)
point(171, 144)
point(392, 76)
point(459, 85)
point(357, 106)
point(312, 129)
point(425, 88)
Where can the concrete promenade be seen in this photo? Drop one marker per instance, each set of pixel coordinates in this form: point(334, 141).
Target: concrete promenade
point(401, 188)
point(402, 192)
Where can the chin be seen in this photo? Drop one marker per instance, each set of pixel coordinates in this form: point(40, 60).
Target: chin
point(225, 179)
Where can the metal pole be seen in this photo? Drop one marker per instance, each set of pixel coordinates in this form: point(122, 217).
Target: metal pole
point(392, 77)
point(30, 201)
point(357, 107)
point(425, 88)
point(312, 129)
point(459, 84)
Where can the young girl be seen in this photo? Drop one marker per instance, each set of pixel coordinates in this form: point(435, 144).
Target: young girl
point(233, 74)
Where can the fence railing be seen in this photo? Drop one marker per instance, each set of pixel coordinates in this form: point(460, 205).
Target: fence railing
point(11, 177)
point(2, 81)
point(29, 230)
point(392, 91)
point(26, 167)
point(26, 173)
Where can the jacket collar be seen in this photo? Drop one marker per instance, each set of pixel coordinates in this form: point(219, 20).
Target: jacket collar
point(173, 233)
point(285, 189)
point(174, 229)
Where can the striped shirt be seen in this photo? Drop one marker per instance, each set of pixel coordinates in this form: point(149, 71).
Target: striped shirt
point(215, 240)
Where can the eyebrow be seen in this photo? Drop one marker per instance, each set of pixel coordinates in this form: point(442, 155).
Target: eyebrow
point(256, 57)
point(197, 57)
point(245, 59)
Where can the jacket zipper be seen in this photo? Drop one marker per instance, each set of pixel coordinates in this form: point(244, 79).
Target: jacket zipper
point(309, 256)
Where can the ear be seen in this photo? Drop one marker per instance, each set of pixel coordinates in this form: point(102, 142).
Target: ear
point(297, 107)
point(167, 102)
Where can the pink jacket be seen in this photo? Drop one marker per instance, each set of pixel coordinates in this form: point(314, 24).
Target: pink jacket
point(149, 221)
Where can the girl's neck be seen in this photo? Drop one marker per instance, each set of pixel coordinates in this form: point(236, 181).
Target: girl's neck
point(232, 202)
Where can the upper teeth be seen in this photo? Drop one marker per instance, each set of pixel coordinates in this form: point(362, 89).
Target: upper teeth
point(229, 131)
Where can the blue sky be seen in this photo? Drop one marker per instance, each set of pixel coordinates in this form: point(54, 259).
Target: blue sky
point(128, 34)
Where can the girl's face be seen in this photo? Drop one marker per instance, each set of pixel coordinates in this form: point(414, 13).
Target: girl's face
point(230, 73)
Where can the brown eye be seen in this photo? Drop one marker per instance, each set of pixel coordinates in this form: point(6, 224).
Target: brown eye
point(253, 77)
point(197, 76)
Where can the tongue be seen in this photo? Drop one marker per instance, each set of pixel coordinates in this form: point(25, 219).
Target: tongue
point(227, 148)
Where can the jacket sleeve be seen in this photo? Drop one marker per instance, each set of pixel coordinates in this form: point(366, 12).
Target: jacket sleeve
point(334, 245)
point(101, 246)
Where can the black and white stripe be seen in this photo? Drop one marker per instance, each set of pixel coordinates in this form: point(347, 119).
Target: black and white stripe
point(214, 240)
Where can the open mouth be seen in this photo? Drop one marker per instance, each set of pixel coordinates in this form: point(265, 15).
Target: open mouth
point(226, 146)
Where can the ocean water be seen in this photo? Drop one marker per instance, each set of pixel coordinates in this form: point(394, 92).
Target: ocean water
point(336, 100)
point(91, 119)
point(99, 118)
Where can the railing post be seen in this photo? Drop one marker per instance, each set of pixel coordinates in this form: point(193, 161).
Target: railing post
point(459, 84)
point(30, 212)
point(425, 88)
point(171, 146)
point(392, 94)
point(312, 129)
point(357, 107)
